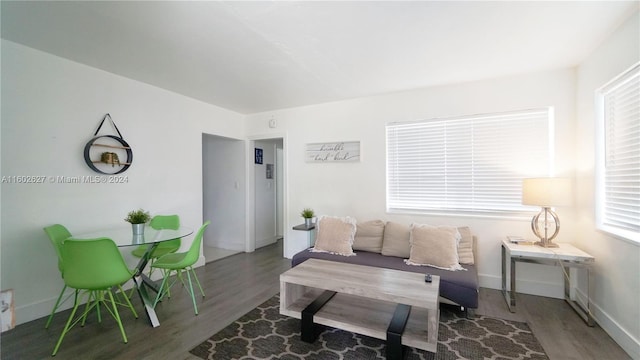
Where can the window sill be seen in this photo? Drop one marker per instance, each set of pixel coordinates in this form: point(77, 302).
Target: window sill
point(626, 236)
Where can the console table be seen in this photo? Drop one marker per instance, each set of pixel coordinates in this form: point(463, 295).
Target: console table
point(566, 255)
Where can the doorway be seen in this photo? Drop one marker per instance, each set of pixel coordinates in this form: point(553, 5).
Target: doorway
point(266, 169)
point(267, 192)
point(223, 194)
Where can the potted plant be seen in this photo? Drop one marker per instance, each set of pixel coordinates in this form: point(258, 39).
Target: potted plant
point(307, 214)
point(138, 218)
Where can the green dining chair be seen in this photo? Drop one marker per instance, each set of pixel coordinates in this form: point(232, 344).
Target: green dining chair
point(179, 263)
point(57, 234)
point(159, 222)
point(95, 266)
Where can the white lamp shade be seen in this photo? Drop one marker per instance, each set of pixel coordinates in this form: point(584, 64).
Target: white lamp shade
point(546, 192)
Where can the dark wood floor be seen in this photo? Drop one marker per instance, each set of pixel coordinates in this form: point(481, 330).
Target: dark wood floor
point(237, 284)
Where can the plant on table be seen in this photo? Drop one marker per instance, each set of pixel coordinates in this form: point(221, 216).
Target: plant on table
point(307, 213)
point(138, 217)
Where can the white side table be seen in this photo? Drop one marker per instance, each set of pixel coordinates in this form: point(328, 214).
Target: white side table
point(566, 255)
point(311, 234)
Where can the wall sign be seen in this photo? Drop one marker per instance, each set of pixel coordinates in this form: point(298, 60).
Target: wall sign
point(348, 151)
point(257, 156)
point(118, 155)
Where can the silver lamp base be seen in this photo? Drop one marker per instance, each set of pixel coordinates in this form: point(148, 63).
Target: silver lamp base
point(548, 244)
point(545, 239)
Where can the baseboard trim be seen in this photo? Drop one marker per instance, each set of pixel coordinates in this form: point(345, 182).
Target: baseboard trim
point(619, 334)
point(547, 289)
point(42, 309)
point(227, 246)
point(265, 242)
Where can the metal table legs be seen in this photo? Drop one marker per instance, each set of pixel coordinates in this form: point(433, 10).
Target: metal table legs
point(510, 294)
point(142, 283)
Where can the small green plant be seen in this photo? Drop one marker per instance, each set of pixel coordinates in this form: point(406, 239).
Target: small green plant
point(138, 217)
point(307, 213)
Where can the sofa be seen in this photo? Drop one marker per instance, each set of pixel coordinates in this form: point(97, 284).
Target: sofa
point(393, 245)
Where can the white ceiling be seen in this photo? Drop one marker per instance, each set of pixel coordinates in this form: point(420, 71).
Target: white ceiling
point(257, 56)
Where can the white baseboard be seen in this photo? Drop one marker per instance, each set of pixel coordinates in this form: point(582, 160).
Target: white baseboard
point(548, 289)
point(620, 335)
point(42, 309)
point(228, 246)
point(265, 242)
point(33, 311)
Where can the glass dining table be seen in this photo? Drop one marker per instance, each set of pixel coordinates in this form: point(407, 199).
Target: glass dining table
point(123, 236)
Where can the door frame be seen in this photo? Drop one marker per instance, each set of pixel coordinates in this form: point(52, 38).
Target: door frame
point(250, 229)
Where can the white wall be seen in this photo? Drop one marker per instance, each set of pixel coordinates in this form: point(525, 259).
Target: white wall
point(265, 195)
point(358, 189)
point(615, 283)
point(50, 109)
point(224, 191)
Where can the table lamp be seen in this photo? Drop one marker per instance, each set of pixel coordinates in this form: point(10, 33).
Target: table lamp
point(546, 192)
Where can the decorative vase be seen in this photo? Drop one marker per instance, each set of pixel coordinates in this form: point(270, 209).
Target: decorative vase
point(138, 229)
point(307, 222)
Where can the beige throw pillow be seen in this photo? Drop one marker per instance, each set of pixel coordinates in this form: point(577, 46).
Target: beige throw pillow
point(369, 236)
point(396, 240)
point(465, 248)
point(434, 246)
point(335, 235)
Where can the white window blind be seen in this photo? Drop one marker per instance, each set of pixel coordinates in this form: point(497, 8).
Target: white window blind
point(467, 164)
point(619, 171)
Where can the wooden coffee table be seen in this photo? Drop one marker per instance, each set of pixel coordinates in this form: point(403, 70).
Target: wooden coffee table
point(392, 305)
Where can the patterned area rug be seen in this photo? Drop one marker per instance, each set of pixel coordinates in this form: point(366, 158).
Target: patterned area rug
point(265, 334)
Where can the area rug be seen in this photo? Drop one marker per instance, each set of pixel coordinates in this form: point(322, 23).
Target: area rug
point(265, 334)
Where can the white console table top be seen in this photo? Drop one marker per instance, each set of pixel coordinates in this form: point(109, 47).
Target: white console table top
point(565, 251)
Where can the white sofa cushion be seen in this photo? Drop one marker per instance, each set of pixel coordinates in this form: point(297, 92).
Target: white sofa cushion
point(396, 240)
point(335, 235)
point(369, 236)
point(434, 246)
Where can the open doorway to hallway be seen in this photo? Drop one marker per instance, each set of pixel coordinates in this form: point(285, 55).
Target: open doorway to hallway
point(223, 196)
point(268, 191)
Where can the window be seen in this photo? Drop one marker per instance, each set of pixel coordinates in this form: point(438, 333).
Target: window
point(470, 164)
point(618, 156)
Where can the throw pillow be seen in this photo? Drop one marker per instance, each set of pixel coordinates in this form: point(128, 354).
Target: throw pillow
point(434, 246)
point(396, 240)
point(465, 248)
point(335, 235)
point(369, 236)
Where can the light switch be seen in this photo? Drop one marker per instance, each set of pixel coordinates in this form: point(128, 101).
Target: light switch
point(272, 123)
